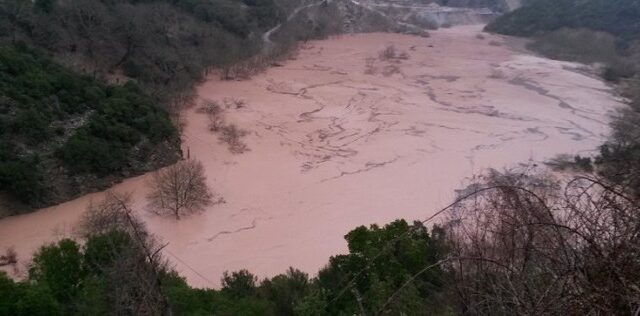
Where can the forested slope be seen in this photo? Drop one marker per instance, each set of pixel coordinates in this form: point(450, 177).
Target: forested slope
point(620, 18)
point(164, 45)
point(62, 133)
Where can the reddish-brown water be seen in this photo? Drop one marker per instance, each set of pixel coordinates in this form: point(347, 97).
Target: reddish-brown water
point(333, 147)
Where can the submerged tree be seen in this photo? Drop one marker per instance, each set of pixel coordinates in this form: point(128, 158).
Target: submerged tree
point(179, 190)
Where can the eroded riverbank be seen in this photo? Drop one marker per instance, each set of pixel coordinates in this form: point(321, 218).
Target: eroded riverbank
point(337, 141)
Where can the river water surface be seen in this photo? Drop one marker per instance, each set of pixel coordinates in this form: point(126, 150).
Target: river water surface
point(335, 143)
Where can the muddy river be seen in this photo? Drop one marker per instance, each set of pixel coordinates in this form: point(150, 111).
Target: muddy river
point(339, 138)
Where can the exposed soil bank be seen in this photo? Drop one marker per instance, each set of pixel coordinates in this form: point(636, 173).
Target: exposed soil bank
point(332, 147)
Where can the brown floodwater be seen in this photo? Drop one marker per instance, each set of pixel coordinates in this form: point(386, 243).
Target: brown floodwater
point(335, 143)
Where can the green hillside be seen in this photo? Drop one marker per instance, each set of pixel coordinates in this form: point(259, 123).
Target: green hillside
point(620, 18)
point(52, 118)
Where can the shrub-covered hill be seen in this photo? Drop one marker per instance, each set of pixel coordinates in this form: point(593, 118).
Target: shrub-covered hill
point(63, 134)
point(620, 18)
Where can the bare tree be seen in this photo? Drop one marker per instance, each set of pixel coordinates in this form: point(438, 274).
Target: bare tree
point(127, 255)
point(523, 245)
point(179, 190)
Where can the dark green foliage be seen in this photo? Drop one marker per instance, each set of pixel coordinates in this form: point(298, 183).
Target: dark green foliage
point(101, 250)
point(8, 291)
point(59, 268)
point(37, 94)
point(24, 299)
point(36, 300)
point(69, 279)
point(123, 118)
point(386, 258)
point(620, 18)
point(44, 5)
point(286, 291)
point(239, 284)
point(20, 176)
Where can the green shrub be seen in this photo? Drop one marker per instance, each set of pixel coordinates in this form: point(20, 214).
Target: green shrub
point(37, 92)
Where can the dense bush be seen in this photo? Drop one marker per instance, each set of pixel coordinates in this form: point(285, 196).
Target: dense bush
point(21, 177)
point(380, 260)
point(123, 118)
point(46, 108)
